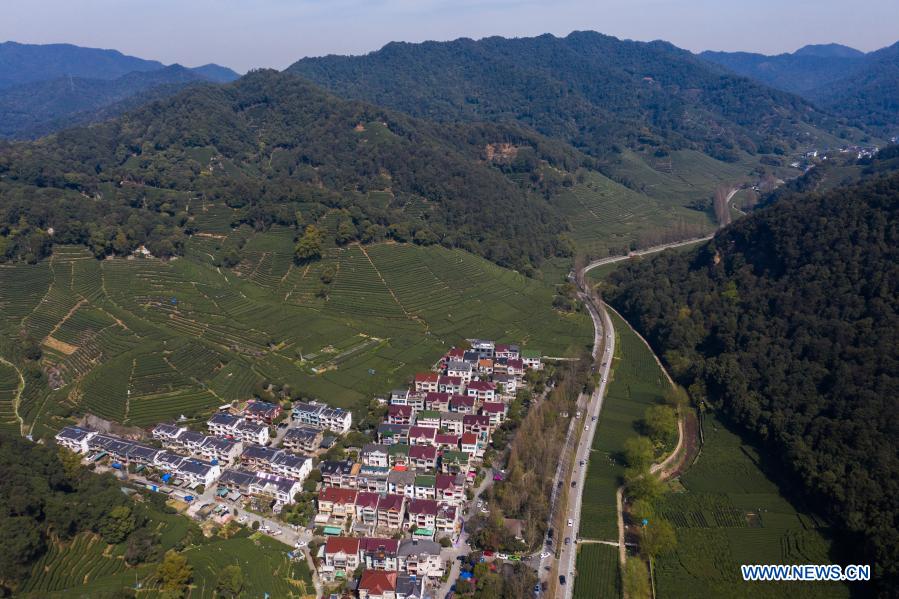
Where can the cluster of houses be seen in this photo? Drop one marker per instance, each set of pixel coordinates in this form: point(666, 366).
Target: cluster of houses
point(235, 453)
point(412, 482)
point(385, 512)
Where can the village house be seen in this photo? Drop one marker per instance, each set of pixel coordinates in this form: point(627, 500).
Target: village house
point(477, 424)
point(460, 370)
point(420, 558)
point(236, 481)
point(253, 432)
point(462, 404)
point(423, 457)
point(341, 558)
point(471, 357)
point(506, 384)
point(401, 482)
point(322, 417)
point(439, 402)
point(377, 584)
point(223, 424)
point(290, 465)
point(398, 455)
point(451, 422)
point(379, 553)
point(367, 510)
point(261, 411)
point(450, 488)
point(388, 434)
point(485, 366)
point(453, 462)
point(506, 351)
point(482, 390)
point(335, 506)
point(424, 434)
point(484, 347)
point(425, 487)
point(167, 434)
point(446, 441)
point(423, 516)
point(375, 455)
point(400, 397)
point(141, 454)
point(279, 488)
point(391, 512)
point(427, 418)
point(471, 444)
point(496, 411)
point(219, 450)
point(447, 522)
point(531, 358)
point(515, 367)
point(168, 461)
point(372, 479)
point(302, 439)
point(340, 474)
point(190, 441)
point(257, 457)
point(400, 414)
point(426, 382)
point(198, 471)
point(451, 384)
point(75, 438)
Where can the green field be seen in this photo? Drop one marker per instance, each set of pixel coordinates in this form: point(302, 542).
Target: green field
point(144, 340)
point(86, 567)
point(597, 572)
point(727, 512)
point(636, 383)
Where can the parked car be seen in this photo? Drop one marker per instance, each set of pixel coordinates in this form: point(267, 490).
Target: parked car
point(570, 522)
point(562, 579)
point(568, 540)
point(573, 483)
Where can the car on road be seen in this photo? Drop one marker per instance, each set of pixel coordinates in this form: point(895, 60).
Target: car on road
point(562, 579)
point(242, 519)
point(594, 419)
point(550, 533)
point(545, 555)
point(568, 540)
point(502, 556)
point(299, 544)
point(275, 533)
point(570, 522)
point(573, 484)
point(583, 462)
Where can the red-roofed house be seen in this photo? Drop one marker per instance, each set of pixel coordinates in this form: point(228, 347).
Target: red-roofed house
point(450, 384)
point(377, 584)
point(483, 390)
point(496, 410)
point(400, 414)
point(450, 489)
point(471, 444)
point(391, 512)
point(367, 508)
point(426, 382)
point(422, 435)
point(477, 424)
point(335, 504)
point(447, 521)
point(462, 404)
point(457, 353)
point(515, 367)
point(423, 513)
point(506, 351)
point(445, 441)
point(439, 402)
point(341, 557)
point(485, 366)
point(423, 456)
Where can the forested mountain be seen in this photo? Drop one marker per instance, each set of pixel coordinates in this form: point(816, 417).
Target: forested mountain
point(787, 322)
point(283, 151)
point(843, 81)
point(594, 91)
point(25, 63)
point(41, 107)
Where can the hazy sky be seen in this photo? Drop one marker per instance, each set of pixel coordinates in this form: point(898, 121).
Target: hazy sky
point(243, 34)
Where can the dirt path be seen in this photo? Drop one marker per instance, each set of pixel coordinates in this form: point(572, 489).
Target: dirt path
point(17, 400)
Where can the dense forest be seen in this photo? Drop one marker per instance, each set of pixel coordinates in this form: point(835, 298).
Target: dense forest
point(595, 91)
point(47, 497)
point(283, 151)
point(787, 323)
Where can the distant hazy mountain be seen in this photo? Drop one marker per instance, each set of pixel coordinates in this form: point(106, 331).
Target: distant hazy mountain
point(801, 73)
point(829, 51)
point(41, 107)
point(25, 63)
point(44, 88)
point(595, 91)
point(861, 87)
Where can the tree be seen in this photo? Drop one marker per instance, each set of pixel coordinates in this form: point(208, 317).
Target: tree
point(660, 423)
point(116, 527)
point(638, 453)
point(657, 537)
point(309, 247)
point(174, 573)
point(230, 582)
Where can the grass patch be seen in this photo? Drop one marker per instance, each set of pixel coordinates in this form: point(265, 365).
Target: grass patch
point(597, 572)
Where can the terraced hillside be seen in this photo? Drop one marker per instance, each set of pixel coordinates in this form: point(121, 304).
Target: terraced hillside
point(142, 340)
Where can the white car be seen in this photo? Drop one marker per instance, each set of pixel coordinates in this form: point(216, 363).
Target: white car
point(242, 519)
point(586, 427)
point(502, 555)
point(275, 533)
point(300, 544)
point(570, 522)
point(545, 555)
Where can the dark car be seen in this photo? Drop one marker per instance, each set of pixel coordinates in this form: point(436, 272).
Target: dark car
point(561, 579)
point(568, 540)
point(574, 483)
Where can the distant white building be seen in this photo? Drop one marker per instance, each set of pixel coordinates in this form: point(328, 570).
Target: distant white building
point(322, 416)
point(75, 438)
